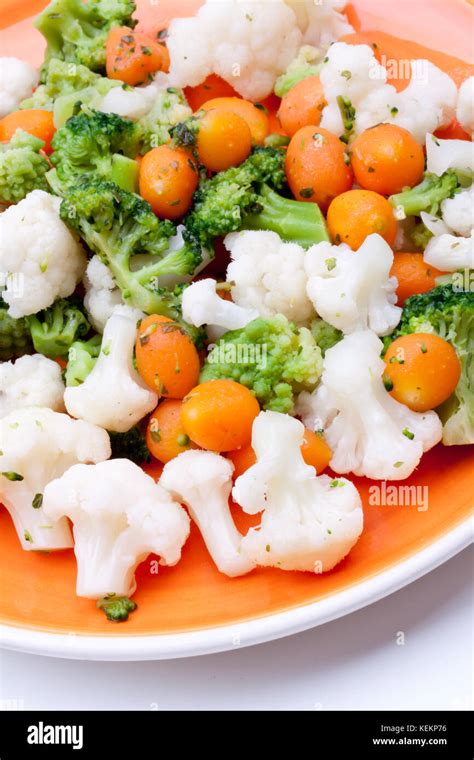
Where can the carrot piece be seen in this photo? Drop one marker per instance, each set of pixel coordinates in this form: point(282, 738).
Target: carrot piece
point(132, 57)
point(414, 275)
point(165, 436)
point(35, 121)
point(224, 140)
point(168, 179)
point(302, 105)
point(212, 87)
point(422, 370)
point(166, 357)
point(255, 115)
point(354, 215)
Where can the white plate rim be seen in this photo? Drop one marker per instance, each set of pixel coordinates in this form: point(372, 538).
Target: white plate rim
point(248, 633)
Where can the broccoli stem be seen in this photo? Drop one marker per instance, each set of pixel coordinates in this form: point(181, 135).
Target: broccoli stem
point(427, 195)
point(294, 221)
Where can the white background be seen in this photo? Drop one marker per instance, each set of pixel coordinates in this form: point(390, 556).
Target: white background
point(353, 663)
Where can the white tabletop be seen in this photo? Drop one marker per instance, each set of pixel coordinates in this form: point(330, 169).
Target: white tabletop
point(354, 663)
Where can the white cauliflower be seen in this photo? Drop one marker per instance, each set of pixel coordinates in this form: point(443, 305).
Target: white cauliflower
point(458, 212)
point(353, 72)
point(40, 260)
point(269, 275)
point(321, 22)
point(202, 305)
point(309, 523)
point(102, 294)
point(113, 395)
point(31, 381)
point(17, 82)
point(353, 291)
point(368, 431)
point(39, 445)
point(442, 155)
point(249, 44)
point(133, 102)
point(120, 516)
point(465, 106)
point(449, 253)
point(203, 481)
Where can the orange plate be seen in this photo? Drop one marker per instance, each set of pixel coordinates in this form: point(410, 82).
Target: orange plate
point(37, 591)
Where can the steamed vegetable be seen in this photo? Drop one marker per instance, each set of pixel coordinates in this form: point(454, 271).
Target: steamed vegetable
point(203, 481)
point(60, 78)
point(387, 159)
point(356, 214)
point(118, 225)
point(133, 57)
point(448, 313)
point(119, 515)
point(309, 523)
point(76, 32)
point(34, 121)
point(427, 195)
point(82, 357)
point(15, 338)
point(271, 357)
point(18, 80)
point(369, 433)
point(22, 167)
point(55, 329)
point(39, 445)
point(30, 381)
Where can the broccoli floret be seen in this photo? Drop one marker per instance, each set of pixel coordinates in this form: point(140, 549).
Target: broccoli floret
point(60, 78)
point(306, 64)
point(22, 167)
point(93, 143)
point(244, 197)
point(116, 608)
point(119, 226)
point(54, 330)
point(325, 335)
point(76, 31)
point(130, 445)
point(82, 357)
point(168, 109)
point(420, 235)
point(15, 338)
point(271, 357)
point(428, 195)
point(449, 313)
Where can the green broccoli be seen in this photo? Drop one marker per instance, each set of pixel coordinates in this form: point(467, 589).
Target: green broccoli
point(271, 357)
point(449, 313)
point(54, 330)
point(123, 230)
point(305, 65)
point(428, 195)
point(97, 144)
point(15, 338)
point(60, 78)
point(82, 357)
point(22, 167)
point(130, 445)
point(168, 109)
point(76, 31)
point(116, 608)
point(244, 197)
point(420, 235)
point(325, 335)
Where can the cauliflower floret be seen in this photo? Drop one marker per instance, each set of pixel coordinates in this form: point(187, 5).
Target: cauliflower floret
point(17, 81)
point(249, 44)
point(368, 431)
point(321, 22)
point(353, 291)
point(113, 395)
point(202, 305)
point(442, 155)
point(203, 481)
point(133, 102)
point(39, 257)
point(269, 275)
point(450, 253)
point(119, 515)
point(309, 523)
point(31, 381)
point(458, 212)
point(102, 294)
point(39, 445)
point(353, 72)
point(465, 107)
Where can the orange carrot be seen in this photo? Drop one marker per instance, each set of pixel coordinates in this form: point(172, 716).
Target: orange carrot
point(35, 121)
point(414, 275)
point(132, 57)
